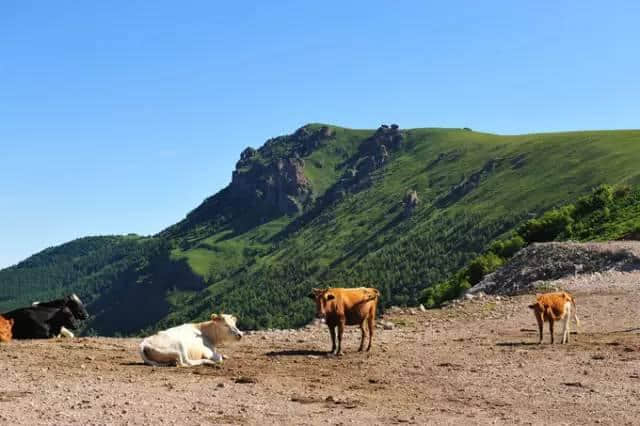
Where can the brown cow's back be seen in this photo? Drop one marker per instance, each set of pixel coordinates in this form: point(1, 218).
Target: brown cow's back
point(355, 304)
point(555, 301)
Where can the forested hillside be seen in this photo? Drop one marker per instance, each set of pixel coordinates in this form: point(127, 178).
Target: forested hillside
point(398, 209)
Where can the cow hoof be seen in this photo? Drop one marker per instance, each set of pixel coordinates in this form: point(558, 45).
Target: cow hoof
point(339, 354)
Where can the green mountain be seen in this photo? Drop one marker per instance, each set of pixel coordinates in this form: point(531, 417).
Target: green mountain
point(401, 210)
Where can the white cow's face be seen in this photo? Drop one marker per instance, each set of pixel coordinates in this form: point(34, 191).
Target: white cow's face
point(226, 326)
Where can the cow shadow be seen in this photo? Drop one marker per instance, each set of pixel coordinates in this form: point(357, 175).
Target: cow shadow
point(517, 344)
point(297, 352)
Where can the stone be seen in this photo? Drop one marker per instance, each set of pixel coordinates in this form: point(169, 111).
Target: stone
point(387, 325)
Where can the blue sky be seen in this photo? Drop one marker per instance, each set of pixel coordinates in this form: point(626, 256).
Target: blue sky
point(122, 116)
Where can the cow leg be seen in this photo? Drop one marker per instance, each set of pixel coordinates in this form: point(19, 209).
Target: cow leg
point(565, 331)
point(567, 325)
point(551, 329)
point(540, 327)
point(184, 361)
point(211, 355)
point(371, 320)
point(362, 334)
point(340, 333)
point(332, 332)
point(66, 333)
point(183, 357)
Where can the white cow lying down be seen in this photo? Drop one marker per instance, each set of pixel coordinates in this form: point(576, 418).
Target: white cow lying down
point(190, 344)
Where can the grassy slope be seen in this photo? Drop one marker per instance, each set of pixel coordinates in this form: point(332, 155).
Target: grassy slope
point(365, 229)
point(262, 274)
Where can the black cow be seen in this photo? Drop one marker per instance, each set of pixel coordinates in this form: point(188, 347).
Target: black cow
point(72, 302)
point(45, 320)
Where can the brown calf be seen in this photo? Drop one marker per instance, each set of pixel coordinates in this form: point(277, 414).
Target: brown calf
point(346, 306)
point(5, 329)
point(555, 307)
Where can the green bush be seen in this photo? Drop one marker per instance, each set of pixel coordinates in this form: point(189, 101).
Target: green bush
point(483, 265)
point(551, 225)
point(601, 197)
point(435, 295)
point(507, 248)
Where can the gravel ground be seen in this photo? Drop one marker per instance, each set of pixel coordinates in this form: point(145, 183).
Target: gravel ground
point(472, 363)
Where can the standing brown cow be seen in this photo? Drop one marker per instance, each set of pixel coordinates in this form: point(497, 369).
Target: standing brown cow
point(346, 306)
point(555, 307)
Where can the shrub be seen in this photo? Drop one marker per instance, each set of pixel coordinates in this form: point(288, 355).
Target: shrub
point(483, 265)
point(447, 290)
point(601, 197)
point(507, 248)
point(549, 226)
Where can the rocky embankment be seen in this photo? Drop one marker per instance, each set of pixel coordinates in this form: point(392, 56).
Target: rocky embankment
point(538, 266)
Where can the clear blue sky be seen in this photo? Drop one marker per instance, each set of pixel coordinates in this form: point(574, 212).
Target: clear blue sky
point(121, 116)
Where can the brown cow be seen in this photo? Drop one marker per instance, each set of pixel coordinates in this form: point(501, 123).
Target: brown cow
point(5, 329)
point(555, 307)
point(346, 306)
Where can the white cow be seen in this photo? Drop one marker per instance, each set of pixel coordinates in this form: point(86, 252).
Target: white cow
point(190, 344)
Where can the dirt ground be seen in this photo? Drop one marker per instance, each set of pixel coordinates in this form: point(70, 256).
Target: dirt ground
point(477, 363)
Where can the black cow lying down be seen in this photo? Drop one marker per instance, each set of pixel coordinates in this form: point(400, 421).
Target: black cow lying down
point(47, 319)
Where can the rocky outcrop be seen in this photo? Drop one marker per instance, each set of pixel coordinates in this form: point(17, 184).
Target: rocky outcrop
point(373, 153)
point(410, 202)
point(280, 186)
point(272, 179)
point(518, 161)
point(469, 184)
point(445, 157)
point(540, 262)
point(309, 140)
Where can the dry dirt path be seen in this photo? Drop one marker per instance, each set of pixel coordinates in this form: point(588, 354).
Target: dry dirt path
point(471, 364)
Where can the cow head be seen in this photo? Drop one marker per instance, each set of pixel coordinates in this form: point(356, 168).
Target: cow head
point(322, 297)
point(223, 328)
point(76, 306)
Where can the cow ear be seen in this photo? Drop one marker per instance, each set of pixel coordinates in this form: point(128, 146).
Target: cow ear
point(532, 306)
point(329, 296)
point(214, 316)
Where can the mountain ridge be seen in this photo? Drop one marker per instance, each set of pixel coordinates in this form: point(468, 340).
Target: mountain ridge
point(326, 204)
